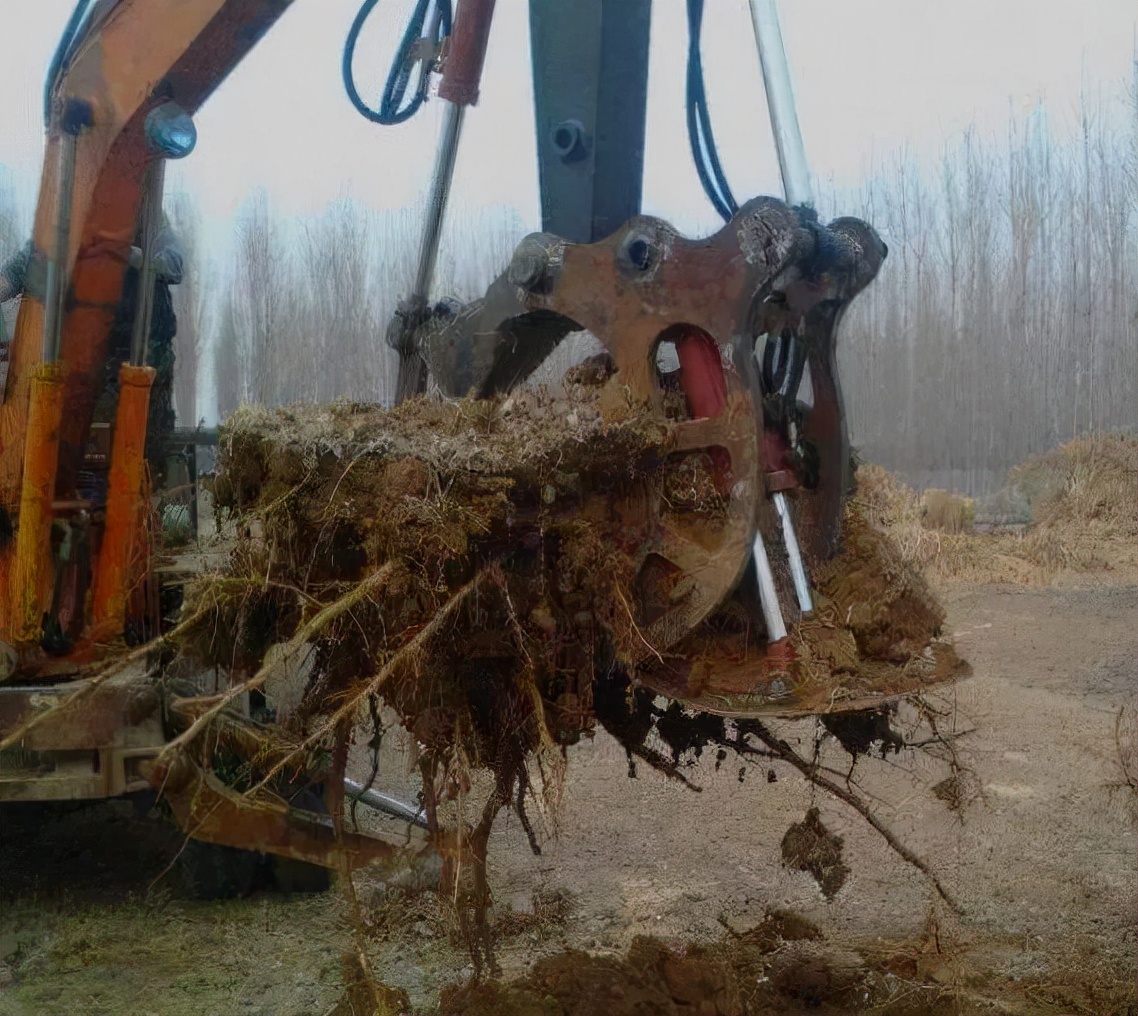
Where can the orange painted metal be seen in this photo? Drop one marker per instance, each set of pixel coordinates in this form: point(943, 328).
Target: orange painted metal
point(142, 53)
point(124, 551)
point(30, 576)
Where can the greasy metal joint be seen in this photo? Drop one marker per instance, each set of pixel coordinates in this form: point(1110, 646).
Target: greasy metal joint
point(640, 251)
point(530, 264)
point(170, 131)
point(409, 315)
point(208, 810)
point(75, 115)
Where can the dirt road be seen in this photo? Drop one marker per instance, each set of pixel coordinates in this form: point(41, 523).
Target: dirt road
point(1041, 856)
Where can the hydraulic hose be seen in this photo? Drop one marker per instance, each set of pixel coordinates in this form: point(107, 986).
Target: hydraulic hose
point(704, 151)
point(394, 106)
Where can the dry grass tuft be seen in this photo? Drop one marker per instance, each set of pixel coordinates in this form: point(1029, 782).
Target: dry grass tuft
point(1082, 500)
point(949, 513)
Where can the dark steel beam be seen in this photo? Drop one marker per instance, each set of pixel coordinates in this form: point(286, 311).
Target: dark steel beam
point(590, 82)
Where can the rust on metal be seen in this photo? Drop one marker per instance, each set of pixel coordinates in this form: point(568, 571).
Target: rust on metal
point(771, 270)
point(207, 809)
point(121, 711)
point(466, 52)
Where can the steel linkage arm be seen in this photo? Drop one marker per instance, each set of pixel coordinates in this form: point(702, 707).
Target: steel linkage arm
point(771, 267)
point(206, 809)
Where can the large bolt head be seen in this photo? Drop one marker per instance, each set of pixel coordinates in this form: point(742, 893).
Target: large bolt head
point(528, 266)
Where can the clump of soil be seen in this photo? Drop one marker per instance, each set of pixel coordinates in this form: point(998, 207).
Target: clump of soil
point(874, 635)
point(809, 846)
point(779, 965)
point(541, 915)
point(958, 790)
point(886, 603)
point(859, 733)
point(471, 565)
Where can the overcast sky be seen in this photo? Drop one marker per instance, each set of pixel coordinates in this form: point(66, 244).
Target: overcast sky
point(870, 76)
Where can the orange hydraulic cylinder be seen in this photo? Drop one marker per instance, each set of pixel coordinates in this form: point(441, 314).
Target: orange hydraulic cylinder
point(31, 571)
point(124, 532)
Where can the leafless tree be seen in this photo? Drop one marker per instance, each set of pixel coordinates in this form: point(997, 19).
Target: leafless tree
point(191, 303)
point(228, 366)
point(309, 322)
point(263, 296)
point(1006, 318)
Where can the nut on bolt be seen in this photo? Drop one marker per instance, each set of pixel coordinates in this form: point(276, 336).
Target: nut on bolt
point(569, 140)
point(529, 265)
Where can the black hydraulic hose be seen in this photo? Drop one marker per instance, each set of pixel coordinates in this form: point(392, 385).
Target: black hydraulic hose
point(62, 56)
point(394, 108)
point(704, 151)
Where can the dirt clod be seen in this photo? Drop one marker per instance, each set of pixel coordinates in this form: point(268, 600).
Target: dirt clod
point(813, 973)
point(809, 846)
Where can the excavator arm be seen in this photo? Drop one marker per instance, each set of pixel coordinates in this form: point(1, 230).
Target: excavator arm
point(126, 59)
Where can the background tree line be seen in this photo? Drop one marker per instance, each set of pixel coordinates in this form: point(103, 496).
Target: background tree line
point(1004, 321)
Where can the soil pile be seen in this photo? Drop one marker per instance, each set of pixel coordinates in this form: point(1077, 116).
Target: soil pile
point(779, 961)
point(784, 964)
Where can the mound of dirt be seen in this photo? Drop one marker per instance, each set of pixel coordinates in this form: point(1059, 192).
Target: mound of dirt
point(784, 956)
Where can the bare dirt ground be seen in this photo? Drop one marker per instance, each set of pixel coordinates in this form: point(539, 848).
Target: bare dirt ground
point(1041, 857)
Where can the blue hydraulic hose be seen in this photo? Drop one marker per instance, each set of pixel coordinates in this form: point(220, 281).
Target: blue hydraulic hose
point(704, 151)
point(394, 108)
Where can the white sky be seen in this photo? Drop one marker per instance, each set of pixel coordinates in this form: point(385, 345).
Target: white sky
point(870, 76)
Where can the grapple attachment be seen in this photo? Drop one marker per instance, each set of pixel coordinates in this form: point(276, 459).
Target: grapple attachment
point(717, 336)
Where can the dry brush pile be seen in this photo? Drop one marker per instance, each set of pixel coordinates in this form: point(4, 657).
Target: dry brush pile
point(1070, 513)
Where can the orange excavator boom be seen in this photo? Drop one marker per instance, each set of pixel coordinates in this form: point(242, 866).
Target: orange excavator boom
point(130, 58)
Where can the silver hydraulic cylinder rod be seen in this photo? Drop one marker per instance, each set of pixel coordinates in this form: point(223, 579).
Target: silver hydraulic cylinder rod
point(780, 103)
point(797, 567)
point(386, 803)
point(151, 218)
point(768, 595)
point(437, 200)
point(796, 187)
point(56, 288)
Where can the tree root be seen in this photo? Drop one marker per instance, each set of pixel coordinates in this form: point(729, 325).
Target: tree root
point(810, 770)
point(312, 627)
